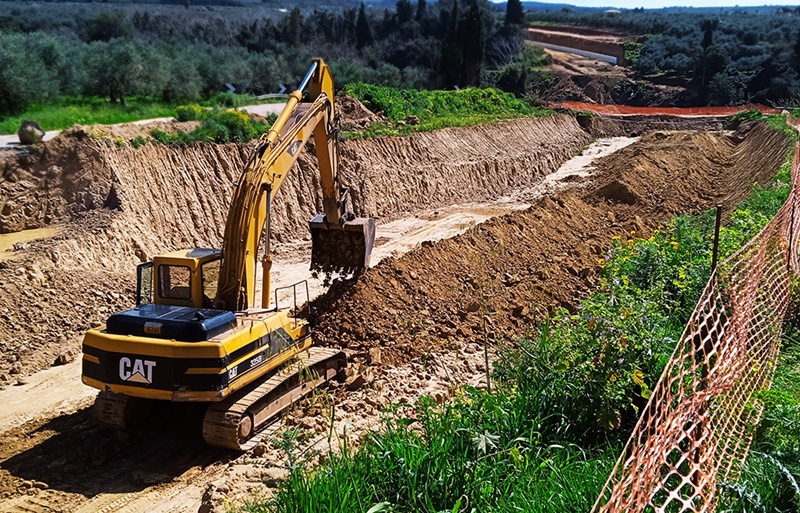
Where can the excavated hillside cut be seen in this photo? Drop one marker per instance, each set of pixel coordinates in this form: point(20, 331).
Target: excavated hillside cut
point(519, 266)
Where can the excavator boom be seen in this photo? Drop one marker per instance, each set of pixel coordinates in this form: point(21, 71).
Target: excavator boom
point(341, 243)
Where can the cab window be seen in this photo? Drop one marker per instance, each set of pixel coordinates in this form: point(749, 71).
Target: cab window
point(175, 282)
point(144, 284)
point(210, 274)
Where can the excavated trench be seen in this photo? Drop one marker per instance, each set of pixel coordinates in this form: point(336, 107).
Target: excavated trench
point(411, 325)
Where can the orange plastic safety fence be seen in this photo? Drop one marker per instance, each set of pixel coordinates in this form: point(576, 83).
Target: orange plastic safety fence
point(697, 427)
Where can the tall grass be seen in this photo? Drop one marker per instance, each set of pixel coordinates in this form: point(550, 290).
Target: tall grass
point(481, 452)
point(87, 111)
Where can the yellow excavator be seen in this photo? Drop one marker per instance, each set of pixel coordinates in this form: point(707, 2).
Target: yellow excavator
point(196, 333)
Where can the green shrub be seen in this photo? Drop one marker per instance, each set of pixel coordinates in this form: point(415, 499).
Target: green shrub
point(229, 126)
point(189, 112)
point(178, 138)
point(633, 50)
point(397, 104)
point(138, 141)
point(748, 115)
point(436, 109)
point(218, 126)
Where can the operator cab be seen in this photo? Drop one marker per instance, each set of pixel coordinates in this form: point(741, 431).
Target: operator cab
point(174, 295)
point(180, 278)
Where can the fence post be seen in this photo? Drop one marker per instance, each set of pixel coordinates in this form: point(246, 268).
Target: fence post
point(715, 252)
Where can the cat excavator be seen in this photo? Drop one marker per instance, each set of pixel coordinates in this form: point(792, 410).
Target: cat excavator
point(197, 333)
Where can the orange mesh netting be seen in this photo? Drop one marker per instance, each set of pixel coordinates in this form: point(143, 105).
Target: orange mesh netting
point(697, 427)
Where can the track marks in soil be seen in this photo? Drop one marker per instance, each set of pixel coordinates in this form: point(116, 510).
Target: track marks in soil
point(68, 462)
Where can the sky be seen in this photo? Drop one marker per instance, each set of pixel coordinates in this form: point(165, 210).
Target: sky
point(669, 3)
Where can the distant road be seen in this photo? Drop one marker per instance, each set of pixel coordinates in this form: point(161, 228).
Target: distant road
point(11, 141)
point(576, 51)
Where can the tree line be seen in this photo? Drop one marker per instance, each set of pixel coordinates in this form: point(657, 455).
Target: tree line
point(183, 53)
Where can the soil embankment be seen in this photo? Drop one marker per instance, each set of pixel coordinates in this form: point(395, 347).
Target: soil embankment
point(120, 205)
point(600, 43)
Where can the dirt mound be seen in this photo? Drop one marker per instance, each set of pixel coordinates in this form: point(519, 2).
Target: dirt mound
point(354, 115)
point(521, 265)
point(125, 132)
point(58, 181)
point(54, 182)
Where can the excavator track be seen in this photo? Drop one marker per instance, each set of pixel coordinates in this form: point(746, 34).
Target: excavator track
point(119, 411)
point(109, 410)
point(234, 422)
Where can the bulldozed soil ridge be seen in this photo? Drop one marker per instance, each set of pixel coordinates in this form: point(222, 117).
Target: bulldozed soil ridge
point(520, 266)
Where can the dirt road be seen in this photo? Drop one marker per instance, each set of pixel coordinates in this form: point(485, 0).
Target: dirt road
point(416, 308)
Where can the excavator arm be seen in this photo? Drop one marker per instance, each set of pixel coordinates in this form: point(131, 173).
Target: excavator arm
point(349, 243)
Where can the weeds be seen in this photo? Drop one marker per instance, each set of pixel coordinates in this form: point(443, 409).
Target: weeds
point(435, 109)
point(217, 126)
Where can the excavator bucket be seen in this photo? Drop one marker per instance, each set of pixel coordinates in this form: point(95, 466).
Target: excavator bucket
point(341, 249)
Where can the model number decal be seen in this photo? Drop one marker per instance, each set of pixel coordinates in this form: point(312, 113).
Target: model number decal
point(255, 361)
